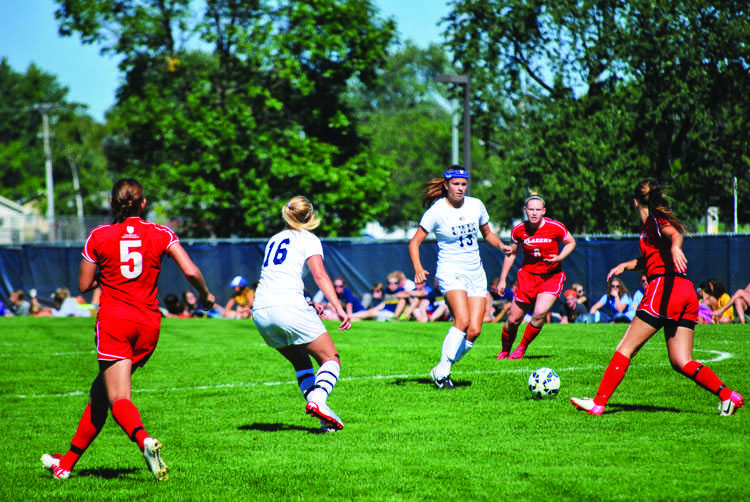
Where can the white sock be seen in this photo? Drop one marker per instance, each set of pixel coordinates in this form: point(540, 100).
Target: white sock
point(325, 380)
point(463, 349)
point(451, 344)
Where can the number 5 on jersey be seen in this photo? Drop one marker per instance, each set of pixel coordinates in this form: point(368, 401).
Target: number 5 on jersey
point(127, 269)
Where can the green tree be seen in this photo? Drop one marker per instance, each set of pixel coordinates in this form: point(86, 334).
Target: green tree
point(227, 114)
point(586, 98)
point(406, 117)
point(73, 138)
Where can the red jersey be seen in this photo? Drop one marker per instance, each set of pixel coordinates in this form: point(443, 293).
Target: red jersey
point(540, 244)
point(129, 256)
point(656, 248)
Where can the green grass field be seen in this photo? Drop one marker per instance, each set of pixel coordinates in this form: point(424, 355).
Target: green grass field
point(231, 418)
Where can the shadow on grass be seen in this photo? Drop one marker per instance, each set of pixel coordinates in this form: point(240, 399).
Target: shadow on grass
point(106, 472)
point(426, 381)
point(616, 408)
point(276, 427)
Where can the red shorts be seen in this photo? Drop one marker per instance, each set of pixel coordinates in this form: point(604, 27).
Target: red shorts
point(529, 285)
point(118, 339)
point(671, 297)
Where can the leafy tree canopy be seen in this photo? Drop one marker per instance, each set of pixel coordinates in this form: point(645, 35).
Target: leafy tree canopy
point(585, 98)
point(229, 108)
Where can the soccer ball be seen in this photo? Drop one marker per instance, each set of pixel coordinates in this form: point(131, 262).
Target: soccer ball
point(544, 382)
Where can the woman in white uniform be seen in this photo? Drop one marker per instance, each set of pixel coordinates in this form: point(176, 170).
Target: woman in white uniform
point(457, 221)
point(285, 319)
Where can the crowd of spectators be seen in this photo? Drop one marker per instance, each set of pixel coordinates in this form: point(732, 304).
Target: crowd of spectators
point(399, 299)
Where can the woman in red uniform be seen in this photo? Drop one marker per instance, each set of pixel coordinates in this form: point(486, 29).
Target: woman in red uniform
point(669, 302)
point(540, 279)
point(128, 256)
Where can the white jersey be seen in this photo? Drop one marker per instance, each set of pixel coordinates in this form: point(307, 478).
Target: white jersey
point(457, 232)
point(281, 276)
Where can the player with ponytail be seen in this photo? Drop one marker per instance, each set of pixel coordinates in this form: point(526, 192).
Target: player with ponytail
point(124, 259)
point(669, 302)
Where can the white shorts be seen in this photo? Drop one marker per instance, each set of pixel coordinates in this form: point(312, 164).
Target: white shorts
point(474, 282)
point(287, 325)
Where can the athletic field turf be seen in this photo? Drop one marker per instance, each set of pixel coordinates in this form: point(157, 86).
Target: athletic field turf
point(229, 413)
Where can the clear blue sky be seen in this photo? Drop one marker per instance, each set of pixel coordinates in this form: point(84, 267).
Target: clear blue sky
point(28, 33)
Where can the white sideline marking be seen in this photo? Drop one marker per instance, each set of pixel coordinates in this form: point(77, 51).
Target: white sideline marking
point(719, 356)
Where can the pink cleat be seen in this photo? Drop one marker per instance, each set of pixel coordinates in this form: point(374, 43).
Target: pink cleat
point(729, 406)
point(518, 353)
point(502, 355)
point(587, 404)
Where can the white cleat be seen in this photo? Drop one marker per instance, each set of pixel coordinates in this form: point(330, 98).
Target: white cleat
point(52, 464)
point(152, 455)
point(587, 404)
point(325, 414)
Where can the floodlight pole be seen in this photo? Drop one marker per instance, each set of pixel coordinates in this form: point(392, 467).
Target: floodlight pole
point(466, 81)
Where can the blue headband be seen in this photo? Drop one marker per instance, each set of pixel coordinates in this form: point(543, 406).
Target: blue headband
point(455, 173)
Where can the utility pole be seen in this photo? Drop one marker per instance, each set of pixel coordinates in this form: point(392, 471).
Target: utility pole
point(466, 81)
point(44, 109)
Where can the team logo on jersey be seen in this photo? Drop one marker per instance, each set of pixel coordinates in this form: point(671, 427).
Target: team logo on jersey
point(130, 235)
point(536, 240)
point(465, 228)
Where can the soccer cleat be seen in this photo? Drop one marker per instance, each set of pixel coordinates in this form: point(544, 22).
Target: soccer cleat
point(52, 464)
point(448, 383)
point(442, 383)
point(502, 355)
point(152, 455)
point(325, 414)
point(729, 406)
point(587, 404)
point(325, 429)
point(518, 353)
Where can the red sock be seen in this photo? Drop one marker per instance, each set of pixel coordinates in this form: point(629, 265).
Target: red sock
point(529, 334)
point(703, 376)
point(613, 375)
point(507, 340)
point(127, 416)
point(91, 423)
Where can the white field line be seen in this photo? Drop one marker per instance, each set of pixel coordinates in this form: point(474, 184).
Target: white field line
point(718, 356)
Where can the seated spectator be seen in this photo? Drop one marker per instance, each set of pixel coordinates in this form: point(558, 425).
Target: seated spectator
point(65, 306)
point(37, 309)
point(19, 305)
point(740, 300)
point(437, 308)
point(240, 305)
point(373, 297)
point(419, 303)
point(614, 305)
point(571, 309)
point(390, 307)
point(715, 296)
point(582, 298)
point(173, 307)
point(346, 297)
point(191, 304)
point(705, 312)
